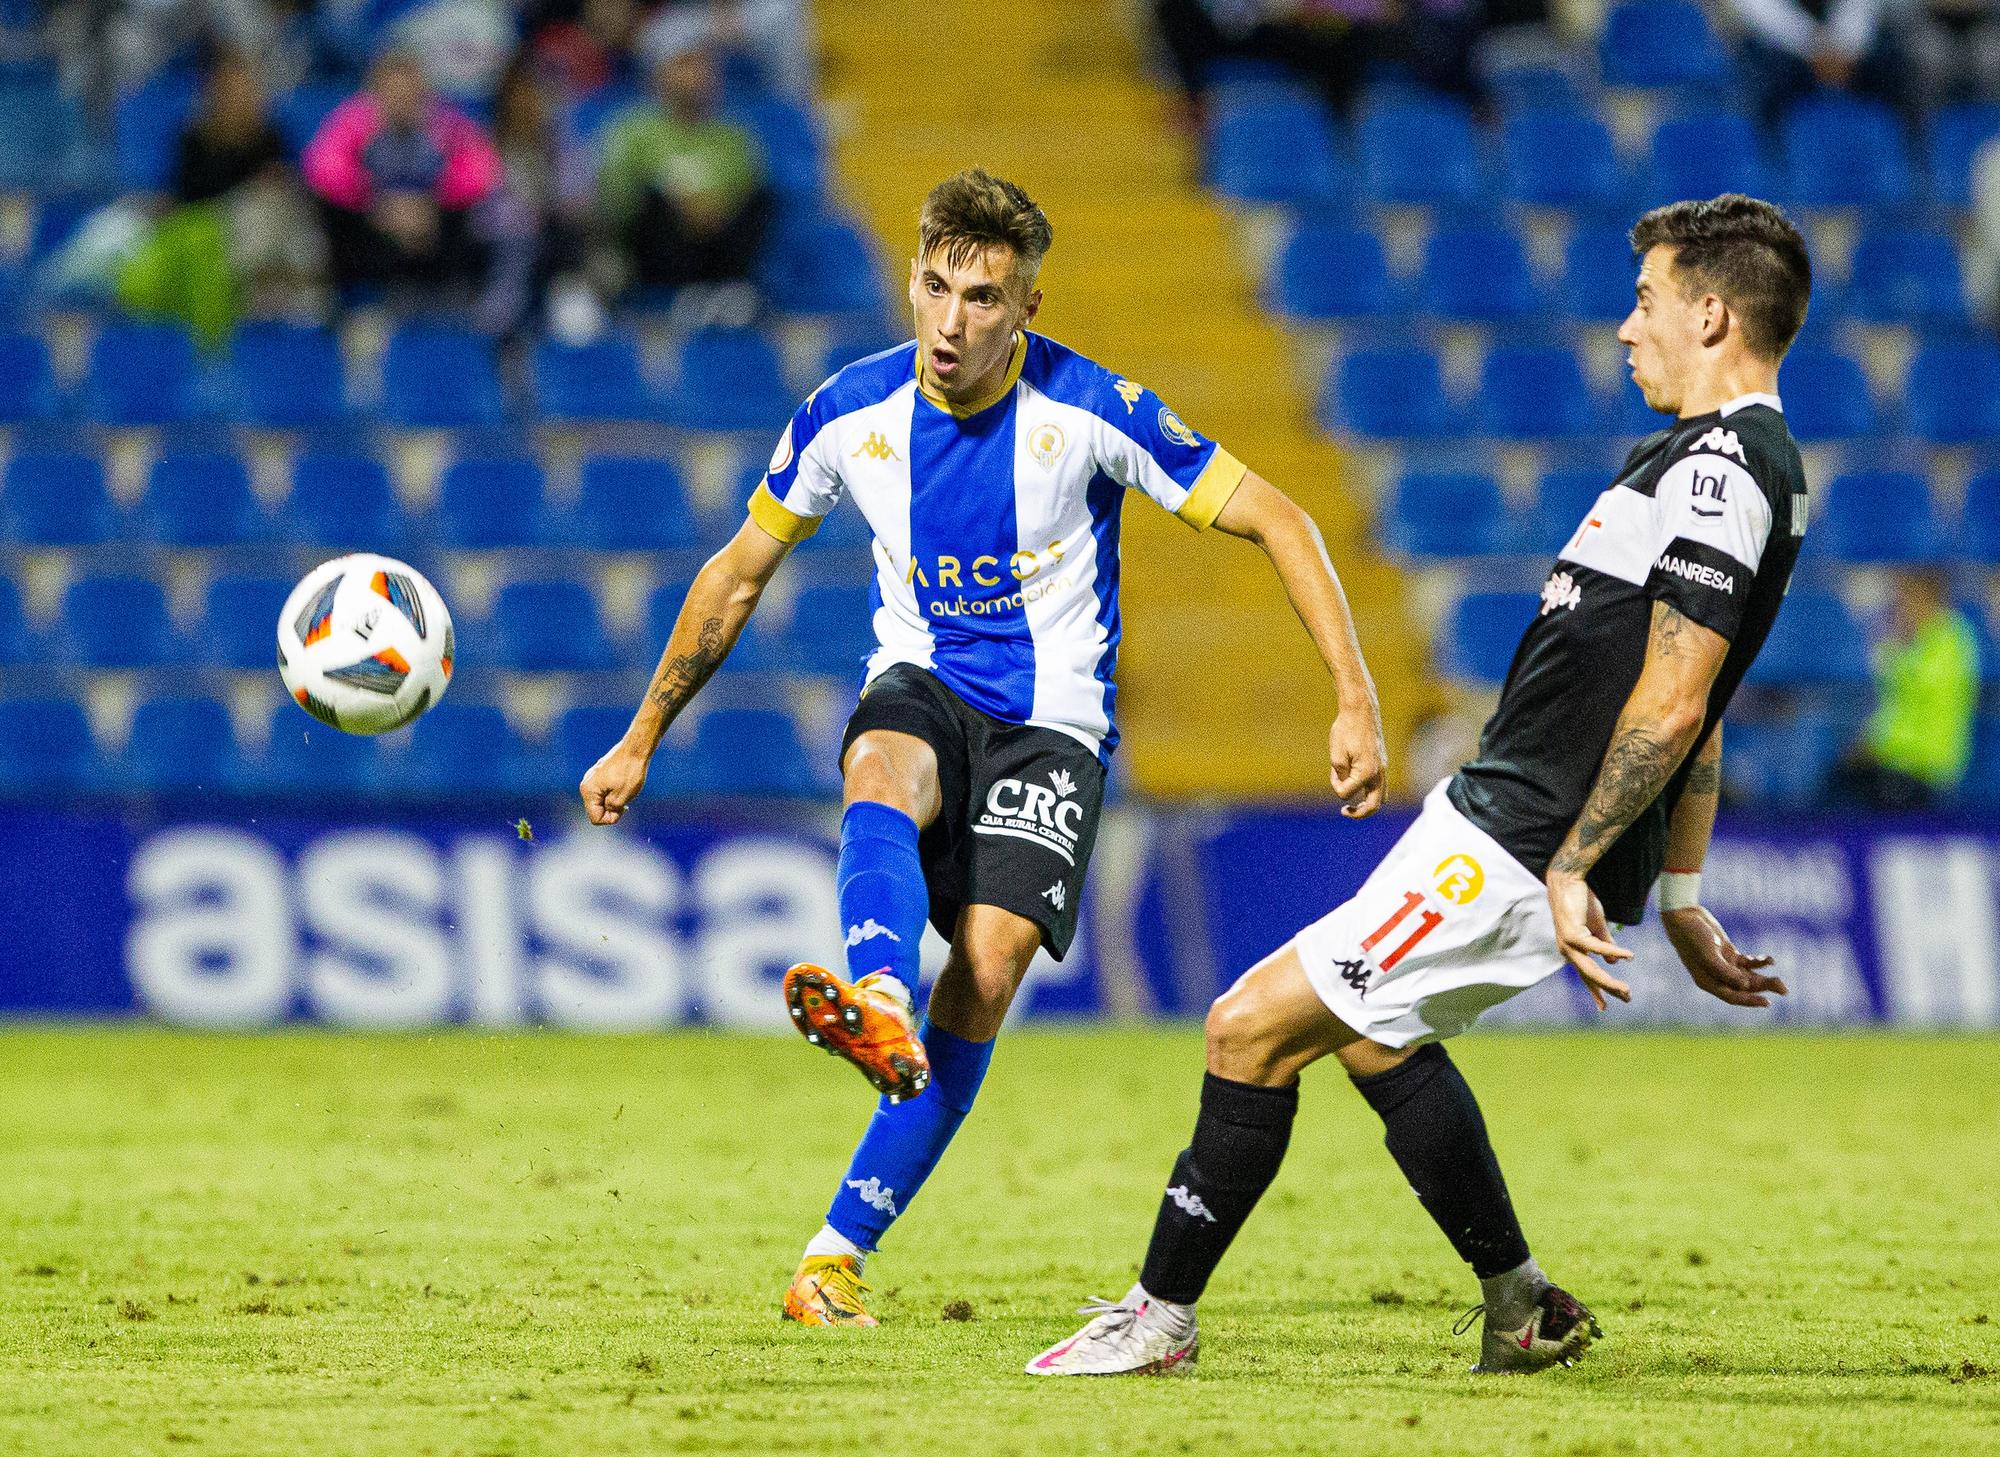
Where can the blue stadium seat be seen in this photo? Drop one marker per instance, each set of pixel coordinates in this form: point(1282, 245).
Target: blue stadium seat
point(17, 642)
point(297, 113)
point(1274, 146)
point(1444, 514)
point(1879, 516)
point(1561, 158)
point(597, 381)
point(794, 156)
point(1326, 271)
point(142, 374)
point(41, 133)
point(1952, 395)
point(819, 266)
point(550, 625)
point(146, 125)
point(346, 501)
point(492, 501)
point(1956, 135)
point(286, 377)
point(57, 498)
point(1796, 653)
point(1707, 153)
point(579, 739)
point(27, 380)
point(1419, 150)
point(1781, 763)
point(464, 749)
point(832, 628)
point(305, 758)
point(1392, 394)
point(730, 379)
point(1903, 276)
point(179, 744)
point(1826, 396)
point(1843, 151)
point(438, 377)
point(754, 751)
point(46, 745)
point(1482, 631)
point(117, 622)
point(202, 498)
point(1535, 392)
point(1659, 43)
point(1477, 274)
point(859, 340)
point(1599, 274)
point(1563, 500)
point(632, 503)
point(590, 115)
point(240, 620)
point(1979, 524)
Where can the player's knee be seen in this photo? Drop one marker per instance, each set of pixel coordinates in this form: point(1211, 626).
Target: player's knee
point(881, 775)
point(1242, 1045)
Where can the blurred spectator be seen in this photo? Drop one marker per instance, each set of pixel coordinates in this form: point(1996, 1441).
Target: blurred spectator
point(1956, 48)
point(536, 219)
point(682, 190)
point(774, 37)
point(398, 172)
point(588, 50)
point(463, 45)
point(1793, 48)
point(1918, 742)
point(1982, 254)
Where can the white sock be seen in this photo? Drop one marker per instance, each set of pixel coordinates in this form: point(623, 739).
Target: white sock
point(1166, 1312)
point(1511, 1295)
point(830, 1241)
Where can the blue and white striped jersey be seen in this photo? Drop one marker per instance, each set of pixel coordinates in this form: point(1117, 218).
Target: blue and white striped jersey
point(996, 523)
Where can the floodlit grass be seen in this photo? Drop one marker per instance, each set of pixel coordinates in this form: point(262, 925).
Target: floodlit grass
point(463, 1244)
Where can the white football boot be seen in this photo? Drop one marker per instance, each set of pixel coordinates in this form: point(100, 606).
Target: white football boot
point(1560, 1330)
point(1131, 1337)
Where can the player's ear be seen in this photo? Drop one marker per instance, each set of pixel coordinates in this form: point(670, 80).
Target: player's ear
point(1034, 306)
point(1715, 320)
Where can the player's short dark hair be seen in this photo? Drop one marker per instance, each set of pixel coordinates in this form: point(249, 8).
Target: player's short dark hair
point(1744, 250)
point(974, 210)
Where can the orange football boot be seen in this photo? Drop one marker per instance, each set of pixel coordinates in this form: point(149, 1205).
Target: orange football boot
point(869, 1023)
point(827, 1290)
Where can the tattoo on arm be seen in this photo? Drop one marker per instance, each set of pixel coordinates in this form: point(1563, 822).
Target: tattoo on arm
point(1668, 621)
point(1636, 768)
point(681, 676)
point(1704, 778)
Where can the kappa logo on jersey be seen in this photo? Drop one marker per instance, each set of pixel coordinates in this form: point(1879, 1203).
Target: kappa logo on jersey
point(1560, 590)
point(876, 447)
point(868, 930)
point(1710, 487)
point(1129, 392)
point(1460, 879)
point(1701, 574)
point(1721, 442)
point(1057, 895)
point(870, 1192)
point(1043, 813)
point(1189, 1203)
point(1046, 445)
point(1171, 424)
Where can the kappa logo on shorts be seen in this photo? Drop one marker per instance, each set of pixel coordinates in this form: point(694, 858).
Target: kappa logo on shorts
point(1355, 973)
point(1043, 813)
point(1057, 895)
point(1459, 879)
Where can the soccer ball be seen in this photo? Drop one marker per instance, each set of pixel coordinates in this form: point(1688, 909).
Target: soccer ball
point(364, 643)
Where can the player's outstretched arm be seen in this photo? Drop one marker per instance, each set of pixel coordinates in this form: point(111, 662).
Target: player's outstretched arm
point(1705, 949)
point(1658, 725)
point(1259, 512)
point(724, 594)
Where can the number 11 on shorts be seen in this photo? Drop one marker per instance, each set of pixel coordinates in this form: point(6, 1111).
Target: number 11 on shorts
point(1426, 923)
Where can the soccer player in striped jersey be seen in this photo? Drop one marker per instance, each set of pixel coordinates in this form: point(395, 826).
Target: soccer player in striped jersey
point(991, 464)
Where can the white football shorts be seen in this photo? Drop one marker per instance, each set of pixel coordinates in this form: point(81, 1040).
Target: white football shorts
point(1446, 926)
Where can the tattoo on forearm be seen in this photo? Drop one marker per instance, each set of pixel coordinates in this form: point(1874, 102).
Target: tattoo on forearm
point(1668, 621)
point(1704, 778)
point(1636, 768)
point(681, 676)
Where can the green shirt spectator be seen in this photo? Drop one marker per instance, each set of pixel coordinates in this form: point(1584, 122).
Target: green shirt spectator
point(1927, 689)
point(706, 165)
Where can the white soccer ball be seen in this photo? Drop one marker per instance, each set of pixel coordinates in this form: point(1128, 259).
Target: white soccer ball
point(365, 643)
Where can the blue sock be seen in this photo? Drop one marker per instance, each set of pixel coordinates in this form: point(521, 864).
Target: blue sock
point(905, 1140)
point(883, 902)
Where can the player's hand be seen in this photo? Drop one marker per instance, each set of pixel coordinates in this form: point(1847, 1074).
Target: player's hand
point(1582, 934)
point(613, 782)
point(1359, 759)
point(1712, 959)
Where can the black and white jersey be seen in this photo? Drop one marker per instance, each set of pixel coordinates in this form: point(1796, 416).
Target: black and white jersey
point(1707, 516)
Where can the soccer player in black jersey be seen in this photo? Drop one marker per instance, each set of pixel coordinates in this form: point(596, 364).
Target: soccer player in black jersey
point(1596, 777)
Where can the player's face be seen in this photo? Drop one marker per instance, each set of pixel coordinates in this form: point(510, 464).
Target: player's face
point(1663, 334)
point(967, 315)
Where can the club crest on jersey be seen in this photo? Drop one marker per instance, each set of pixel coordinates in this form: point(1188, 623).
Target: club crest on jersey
point(1171, 424)
point(1560, 590)
point(1459, 879)
point(782, 456)
point(1046, 444)
point(1721, 442)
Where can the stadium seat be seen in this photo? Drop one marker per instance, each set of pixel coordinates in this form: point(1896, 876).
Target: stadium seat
point(1979, 523)
point(1269, 145)
point(117, 622)
point(754, 751)
point(730, 379)
point(1419, 150)
point(1392, 394)
point(492, 501)
point(1826, 396)
point(597, 381)
point(1444, 514)
point(1781, 763)
point(1902, 276)
point(1535, 392)
point(1477, 275)
point(305, 758)
point(1704, 154)
point(579, 739)
point(1327, 271)
point(345, 501)
point(550, 625)
point(794, 156)
point(178, 744)
point(41, 132)
point(1482, 631)
point(286, 377)
point(1599, 274)
point(832, 628)
point(1879, 516)
point(1796, 653)
point(1843, 151)
point(239, 621)
point(146, 124)
point(1980, 789)
point(438, 377)
point(27, 380)
point(464, 749)
point(46, 745)
point(1956, 135)
point(17, 642)
point(142, 374)
point(201, 498)
point(1561, 158)
point(632, 503)
point(57, 498)
point(297, 113)
point(1660, 43)
point(1563, 499)
point(821, 266)
point(858, 340)
point(1952, 395)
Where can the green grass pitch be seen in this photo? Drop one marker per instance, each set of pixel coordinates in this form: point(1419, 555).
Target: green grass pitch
point(461, 1244)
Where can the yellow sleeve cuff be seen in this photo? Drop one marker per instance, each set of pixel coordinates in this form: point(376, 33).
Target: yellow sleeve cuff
point(779, 520)
point(1212, 489)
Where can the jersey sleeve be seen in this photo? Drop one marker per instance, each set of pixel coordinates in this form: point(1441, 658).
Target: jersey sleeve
point(1144, 446)
point(1714, 521)
point(803, 482)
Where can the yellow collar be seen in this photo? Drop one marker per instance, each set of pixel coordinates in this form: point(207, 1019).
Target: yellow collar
point(973, 407)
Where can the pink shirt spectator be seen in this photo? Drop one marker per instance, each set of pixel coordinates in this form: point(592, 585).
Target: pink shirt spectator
point(338, 166)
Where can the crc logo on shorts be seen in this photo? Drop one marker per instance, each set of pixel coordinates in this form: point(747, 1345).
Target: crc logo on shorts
point(1171, 424)
point(1046, 444)
point(1459, 879)
point(1048, 814)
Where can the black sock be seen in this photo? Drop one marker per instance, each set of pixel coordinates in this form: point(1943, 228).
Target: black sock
point(1439, 1141)
point(1239, 1141)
